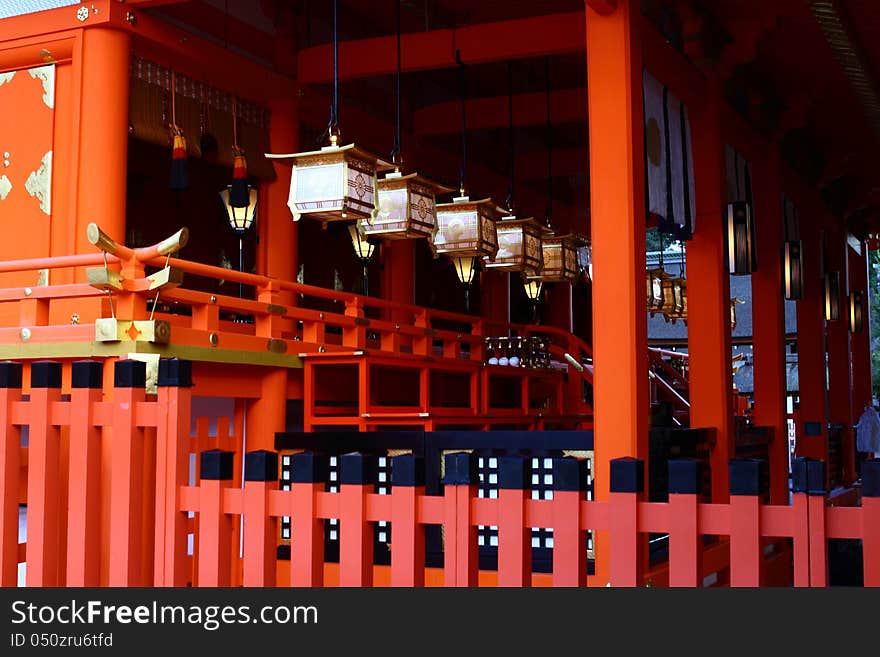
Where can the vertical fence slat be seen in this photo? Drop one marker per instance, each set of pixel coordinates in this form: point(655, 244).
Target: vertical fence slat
point(800, 486)
point(357, 476)
point(627, 483)
point(126, 474)
point(215, 526)
point(514, 538)
point(407, 534)
point(10, 464)
point(745, 530)
point(43, 520)
point(460, 555)
point(84, 484)
point(172, 471)
point(685, 546)
point(260, 553)
point(569, 538)
point(871, 522)
point(308, 474)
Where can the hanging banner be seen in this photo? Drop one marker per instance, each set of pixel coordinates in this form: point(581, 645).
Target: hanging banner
point(668, 161)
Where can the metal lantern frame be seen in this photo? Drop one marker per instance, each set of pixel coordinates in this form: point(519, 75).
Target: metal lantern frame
point(454, 237)
point(519, 246)
point(560, 257)
point(335, 183)
point(407, 207)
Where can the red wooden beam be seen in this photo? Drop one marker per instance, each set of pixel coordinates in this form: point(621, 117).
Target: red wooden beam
point(567, 106)
point(566, 162)
point(478, 44)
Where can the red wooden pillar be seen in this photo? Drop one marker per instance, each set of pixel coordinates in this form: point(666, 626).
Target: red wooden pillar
point(839, 375)
point(811, 433)
point(460, 556)
point(10, 464)
point(126, 475)
point(746, 555)
point(617, 205)
point(871, 522)
point(685, 544)
point(308, 475)
point(84, 486)
point(215, 526)
point(808, 495)
point(399, 275)
point(357, 477)
point(558, 306)
point(260, 529)
point(768, 321)
point(103, 134)
point(407, 533)
point(627, 487)
point(170, 563)
point(711, 378)
point(44, 551)
point(569, 538)
point(514, 537)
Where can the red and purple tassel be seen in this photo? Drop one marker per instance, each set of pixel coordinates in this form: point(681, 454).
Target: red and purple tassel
point(239, 194)
point(179, 179)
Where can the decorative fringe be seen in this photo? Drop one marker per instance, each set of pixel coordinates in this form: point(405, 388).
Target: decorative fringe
point(179, 178)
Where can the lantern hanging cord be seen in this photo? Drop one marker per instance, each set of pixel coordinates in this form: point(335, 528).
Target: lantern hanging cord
point(395, 149)
point(463, 168)
point(333, 125)
point(549, 209)
point(511, 146)
point(235, 147)
point(174, 127)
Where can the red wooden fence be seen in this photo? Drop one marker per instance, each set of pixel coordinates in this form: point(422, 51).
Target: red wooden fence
point(109, 470)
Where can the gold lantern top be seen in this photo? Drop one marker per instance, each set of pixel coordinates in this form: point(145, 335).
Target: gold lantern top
point(519, 246)
point(407, 207)
point(467, 228)
point(560, 257)
point(336, 183)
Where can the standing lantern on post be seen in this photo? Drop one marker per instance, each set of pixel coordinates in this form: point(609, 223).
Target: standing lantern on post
point(335, 183)
point(364, 248)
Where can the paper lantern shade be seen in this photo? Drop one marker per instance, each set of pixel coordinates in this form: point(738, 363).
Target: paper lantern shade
point(792, 270)
point(466, 227)
point(407, 208)
point(741, 247)
point(560, 257)
point(336, 183)
point(856, 311)
point(832, 296)
point(519, 246)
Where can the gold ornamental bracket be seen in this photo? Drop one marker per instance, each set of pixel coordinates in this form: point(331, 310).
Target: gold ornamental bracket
point(107, 244)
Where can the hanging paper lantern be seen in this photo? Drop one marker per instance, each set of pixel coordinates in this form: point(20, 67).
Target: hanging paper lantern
point(519, 246)
point(467, 228)
point(179, 179)
point(407, 207)
point(336, 183)
point(560, 253)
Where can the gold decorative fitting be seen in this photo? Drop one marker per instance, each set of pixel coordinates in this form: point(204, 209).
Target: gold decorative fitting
point(213, 339)
point(74, 318)
point(82, 14)
point(213, 298)
point(275, 309)
point(321, 349)
point(166, 278)
point(28, 291)
point(130, 18)
point(25, 334)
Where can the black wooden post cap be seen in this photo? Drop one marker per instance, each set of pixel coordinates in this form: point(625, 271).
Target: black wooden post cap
point(174, 372)
point(627, 475)
point(408, 470)
point(514, 472)
point(261, 465)
point(10, 374)
point(569, 474)
point(808, 476)
point(45, 374)
point(130, 374)
point(871, 478)
point(460, 469)
point(685, 476)
point(309, 468)
point(746, 476)
point(358, 469)
point(216, 465)
point(87, 374)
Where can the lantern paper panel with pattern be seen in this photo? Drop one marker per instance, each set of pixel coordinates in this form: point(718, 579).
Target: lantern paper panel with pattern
point(856, 311)
point(467, 228)
point(654, 281)
point(407, 207)
point(792, 270)
point(741, 247)
point(519, 246)
point(336, 183)
point(560, 257)
point(679, 308)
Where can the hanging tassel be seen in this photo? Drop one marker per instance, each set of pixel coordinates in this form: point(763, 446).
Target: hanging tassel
point(239, 194)
point(179, 179)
